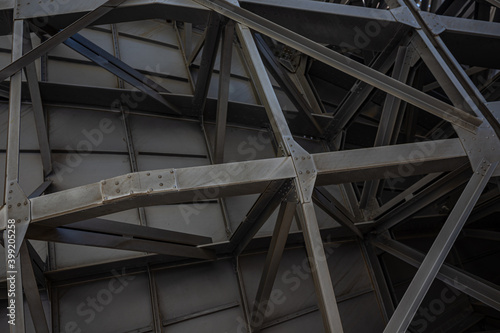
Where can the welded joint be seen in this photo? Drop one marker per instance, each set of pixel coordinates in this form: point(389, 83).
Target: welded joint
point(304, 168)
point(405, 16)
point(138, 183)
point(485, 144)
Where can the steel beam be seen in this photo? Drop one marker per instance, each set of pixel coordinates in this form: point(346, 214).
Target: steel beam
point(223, 97)
point(79, 237)
point(210, 49)
point(388, 119)
point(138, 231)
point(273, 258)
point(386, 162)
point(260, 212)
point(351, 105)
point(345, 64)
point(378, 279)
point(180, 185)
point(146, 188)
point(434, 259)
point(453, 79)
point(285, 82)
point(31, 292)
point(36, 100)
point(465, 282)
point(58, 38)
point(327, 202)
point(319, 269)
point(444, 185)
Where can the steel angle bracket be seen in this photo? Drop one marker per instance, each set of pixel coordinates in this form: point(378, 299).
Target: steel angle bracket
point(433, 22)
point(18, 208)
point(485, 144)
point(304, 167)
point(138, 183)
point(404, 15)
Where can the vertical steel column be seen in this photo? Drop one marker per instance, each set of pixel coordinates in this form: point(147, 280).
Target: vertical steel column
point(14, 275)
point(440, 248)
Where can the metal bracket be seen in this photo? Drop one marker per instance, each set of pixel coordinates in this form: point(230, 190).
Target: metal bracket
point(18, 208)
point(147, 182)
point(304, 167)
point(485, 144)
point(404, 15)
point(433, 22)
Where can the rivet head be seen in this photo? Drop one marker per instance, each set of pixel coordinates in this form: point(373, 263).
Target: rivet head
point(308, 172)
point(161, 184)
point(25, 203)
point(149, 173)
point(10, 206)
point(129, 176)
point(300, 172)
point(171, 171)
point(26, 219)
point(19, 205)
point(303, 158)
point(103, 182)
point(159, 176)
point(116, 183)
point(10, 191)
point(117, 190)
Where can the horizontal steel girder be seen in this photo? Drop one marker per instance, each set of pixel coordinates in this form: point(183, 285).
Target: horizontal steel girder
point(171, 186)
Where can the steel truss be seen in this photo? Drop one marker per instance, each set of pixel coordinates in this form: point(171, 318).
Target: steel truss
point(292, 181)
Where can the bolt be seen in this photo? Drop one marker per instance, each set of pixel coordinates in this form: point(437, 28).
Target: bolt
point(150, 190)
